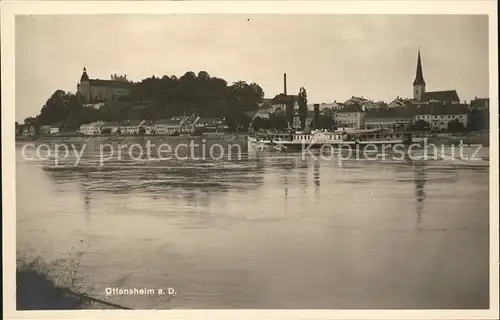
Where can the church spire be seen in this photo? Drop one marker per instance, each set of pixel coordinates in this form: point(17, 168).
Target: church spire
point(419, 78)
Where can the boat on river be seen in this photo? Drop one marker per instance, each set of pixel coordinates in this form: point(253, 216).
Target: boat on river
point(315, 139)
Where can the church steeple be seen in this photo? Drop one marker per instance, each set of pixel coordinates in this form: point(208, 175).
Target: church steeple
point(419, 83)
point(419, 78)
point(85, 76)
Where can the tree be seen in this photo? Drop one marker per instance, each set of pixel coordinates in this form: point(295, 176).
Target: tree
point(421, 125)
point(161, 97)
point(302, 101)
point(478, 119)
point(326, 122)
point(455, 126)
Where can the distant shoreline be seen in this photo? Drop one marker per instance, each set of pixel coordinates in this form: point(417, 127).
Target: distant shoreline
point(439, 139)
point(81, 138)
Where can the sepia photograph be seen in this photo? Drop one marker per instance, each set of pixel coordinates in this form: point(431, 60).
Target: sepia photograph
point(226, 161)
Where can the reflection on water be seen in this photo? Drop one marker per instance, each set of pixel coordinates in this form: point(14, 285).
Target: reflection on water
point(419, 190)
point(269, 230)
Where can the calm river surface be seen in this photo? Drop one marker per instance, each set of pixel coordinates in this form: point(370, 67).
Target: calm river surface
point(266, 231)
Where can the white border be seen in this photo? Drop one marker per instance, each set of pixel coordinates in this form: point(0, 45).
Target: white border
point(10, 9)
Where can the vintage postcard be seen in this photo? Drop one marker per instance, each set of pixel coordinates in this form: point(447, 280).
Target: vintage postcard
point(291, 160)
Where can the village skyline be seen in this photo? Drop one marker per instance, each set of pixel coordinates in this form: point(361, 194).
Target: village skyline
point(336, 57)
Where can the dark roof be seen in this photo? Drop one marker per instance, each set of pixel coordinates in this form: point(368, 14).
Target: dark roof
point(441, 109)
point(169, 121)
point(131, 123)
point(109, 83)
point(209, 121)
point(446, 109)
point(480, 102)
point(351, 108)
point(419, 77)
point(284, 99)
point(424, 109)
point(398, 113)
point(110, 124)
point(447, 95)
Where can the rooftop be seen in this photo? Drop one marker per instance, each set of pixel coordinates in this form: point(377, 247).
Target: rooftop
point(130, 123)
point(351, 108)
point(393, 113)
point(446, 95)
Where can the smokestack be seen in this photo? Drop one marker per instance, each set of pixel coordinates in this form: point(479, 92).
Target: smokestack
point(316, 116)
point(284, 83)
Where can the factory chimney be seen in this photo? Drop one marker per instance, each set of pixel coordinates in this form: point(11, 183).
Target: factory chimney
point(284, 83)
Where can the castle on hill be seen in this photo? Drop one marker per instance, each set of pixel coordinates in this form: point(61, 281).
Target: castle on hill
point(93, 91)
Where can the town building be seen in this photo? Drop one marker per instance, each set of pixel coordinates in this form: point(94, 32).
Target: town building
point(110, 127)
point(400, 102)
point(131, 127)
point(26, 130)
point(168, 126)
point(211, 124)
point(421, 95)
point(95, 91)
point(424, 113)
point(480, 103)
point(442, 116)
point(355, 101)
point(438, 115)
point(352, 116)
point(91, 129)
point(390, 118)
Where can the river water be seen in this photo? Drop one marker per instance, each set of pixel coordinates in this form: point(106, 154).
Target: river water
point(269, 230)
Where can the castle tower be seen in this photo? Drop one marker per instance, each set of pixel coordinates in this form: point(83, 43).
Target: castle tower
point(419, 83)
point(83, 88)
point(84, 76)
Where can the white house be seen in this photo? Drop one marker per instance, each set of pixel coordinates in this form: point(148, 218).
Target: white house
point(351, 116)
point(53, 130)
point(442, 115)
point(131, 127)
point(390, 118)
point(168, 126)
point(110, 128)
point(438, 114)
point(91, 129)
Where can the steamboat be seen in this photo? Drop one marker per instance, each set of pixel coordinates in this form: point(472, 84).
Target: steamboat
point(316, 139)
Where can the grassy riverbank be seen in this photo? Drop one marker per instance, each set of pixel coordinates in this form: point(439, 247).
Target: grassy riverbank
point(38, 289)
point(52, 286)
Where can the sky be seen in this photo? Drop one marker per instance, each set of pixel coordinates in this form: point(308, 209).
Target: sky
point(332, 56)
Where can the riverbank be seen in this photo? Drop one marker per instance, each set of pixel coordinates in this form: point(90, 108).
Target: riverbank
point(469, 139)
point(80, 138)
point(38, 289)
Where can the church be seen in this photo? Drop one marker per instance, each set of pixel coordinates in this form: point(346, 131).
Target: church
point(422, 96)
point(93, 91)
